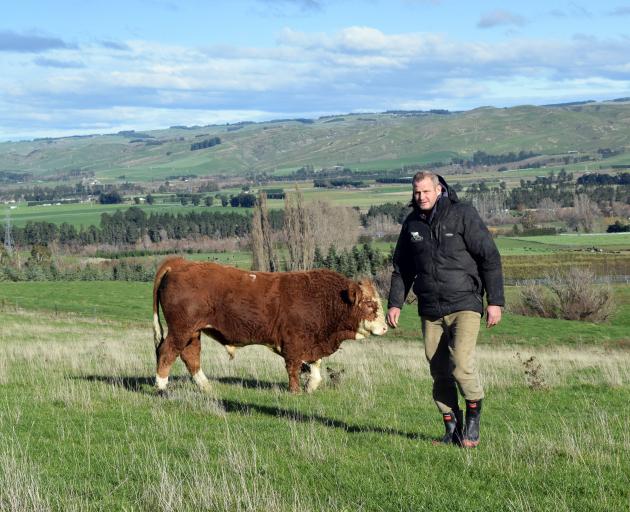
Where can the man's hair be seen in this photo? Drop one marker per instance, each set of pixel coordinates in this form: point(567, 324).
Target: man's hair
point(419, 176)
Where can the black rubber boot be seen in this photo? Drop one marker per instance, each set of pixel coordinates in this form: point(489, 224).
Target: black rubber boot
point(459, 428)
point(473, 415)
point(453, 423)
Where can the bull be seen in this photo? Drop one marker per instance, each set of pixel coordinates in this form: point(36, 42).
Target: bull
point(302, 316)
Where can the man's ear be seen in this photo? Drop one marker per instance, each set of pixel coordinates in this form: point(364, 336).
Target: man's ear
point(352, 295)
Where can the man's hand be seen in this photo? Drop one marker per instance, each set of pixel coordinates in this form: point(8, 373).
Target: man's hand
point(493, 315)
point(393, 314)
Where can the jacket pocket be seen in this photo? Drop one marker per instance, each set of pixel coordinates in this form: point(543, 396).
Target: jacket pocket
point(475, 284)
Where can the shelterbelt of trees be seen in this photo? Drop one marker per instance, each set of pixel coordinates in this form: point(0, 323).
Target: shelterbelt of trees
point(132, 225)
point(125, 227)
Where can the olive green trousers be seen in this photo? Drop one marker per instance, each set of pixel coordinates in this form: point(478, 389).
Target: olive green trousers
point(449, 345)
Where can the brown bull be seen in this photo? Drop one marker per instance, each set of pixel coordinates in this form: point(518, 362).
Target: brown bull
point(302, 316)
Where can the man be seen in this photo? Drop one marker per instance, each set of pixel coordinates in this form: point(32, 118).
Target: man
point(446, 252)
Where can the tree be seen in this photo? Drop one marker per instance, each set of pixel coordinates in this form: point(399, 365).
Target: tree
point(490, 203)
point(298, 233)
point(381, 225)
point(547, 209)
point(338, 225)
point(264, 257)
point(528, 220)
point(39, 254)
point(331, 258)
point(585, 211)
point(112, 197)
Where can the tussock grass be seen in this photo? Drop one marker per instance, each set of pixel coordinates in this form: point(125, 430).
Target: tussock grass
point(82, 429)
point(20, 487)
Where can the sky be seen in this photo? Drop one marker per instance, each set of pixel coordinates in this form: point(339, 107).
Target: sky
point(73, 67)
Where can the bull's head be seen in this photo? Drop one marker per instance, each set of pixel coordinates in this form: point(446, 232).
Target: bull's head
point(372, 318)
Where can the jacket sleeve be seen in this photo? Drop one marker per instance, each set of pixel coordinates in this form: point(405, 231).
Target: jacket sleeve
point(404, 271)
point(484, 251)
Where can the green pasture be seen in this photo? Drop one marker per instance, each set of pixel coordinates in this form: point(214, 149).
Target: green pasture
point(417, 159)
point(241, 259)
point(563, 242)
point(81, 427)
point(363, 198)
point(90, 213)
point(131, 302)
point(586, 240)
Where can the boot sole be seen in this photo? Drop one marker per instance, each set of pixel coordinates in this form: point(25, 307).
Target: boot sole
point(437, 442)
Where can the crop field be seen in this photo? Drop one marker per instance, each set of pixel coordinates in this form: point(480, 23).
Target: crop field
point(82, 429)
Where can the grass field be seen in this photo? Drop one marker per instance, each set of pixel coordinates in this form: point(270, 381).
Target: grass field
point(130, 303)
point(82, 429)
point(90, 214)
point(554, 243)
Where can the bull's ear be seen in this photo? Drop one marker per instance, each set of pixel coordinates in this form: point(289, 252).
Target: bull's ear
point(352, 295)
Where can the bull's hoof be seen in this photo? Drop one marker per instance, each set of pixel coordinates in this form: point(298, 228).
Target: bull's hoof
point(206, 390)
point(312, 385)
point(162, 393)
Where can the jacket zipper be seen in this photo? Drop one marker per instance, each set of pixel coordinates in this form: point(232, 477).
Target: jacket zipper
point(435, 245)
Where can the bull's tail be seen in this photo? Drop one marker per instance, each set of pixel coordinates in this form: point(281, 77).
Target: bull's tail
point(158, 331)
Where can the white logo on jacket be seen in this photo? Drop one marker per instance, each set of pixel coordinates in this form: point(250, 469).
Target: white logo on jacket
point(416, 237)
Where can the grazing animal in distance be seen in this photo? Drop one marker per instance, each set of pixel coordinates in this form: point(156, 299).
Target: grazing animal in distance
point(302, 316)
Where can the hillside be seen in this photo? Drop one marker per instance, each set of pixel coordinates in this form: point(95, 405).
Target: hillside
point(359, 141)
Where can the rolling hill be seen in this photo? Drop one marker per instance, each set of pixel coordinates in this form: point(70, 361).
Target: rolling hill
point(358, 141)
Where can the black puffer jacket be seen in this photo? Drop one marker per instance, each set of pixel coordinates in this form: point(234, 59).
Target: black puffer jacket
point(450, 259)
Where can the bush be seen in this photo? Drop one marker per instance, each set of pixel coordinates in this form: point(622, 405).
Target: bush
point(618, 227)
point(571, 294)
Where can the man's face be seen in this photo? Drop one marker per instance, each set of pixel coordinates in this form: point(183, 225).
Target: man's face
point(425, 193)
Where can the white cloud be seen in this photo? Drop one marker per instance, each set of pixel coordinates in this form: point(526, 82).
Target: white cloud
point(356, 68)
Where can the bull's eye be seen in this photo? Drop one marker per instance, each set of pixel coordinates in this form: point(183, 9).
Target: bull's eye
point(371, 308)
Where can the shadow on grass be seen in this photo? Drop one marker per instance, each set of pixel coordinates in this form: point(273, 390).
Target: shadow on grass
point(233, 406)
point(140, 384)
point(145, 385)
point(249, 383)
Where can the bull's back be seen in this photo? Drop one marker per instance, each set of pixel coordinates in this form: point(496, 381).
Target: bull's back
point(241, 305)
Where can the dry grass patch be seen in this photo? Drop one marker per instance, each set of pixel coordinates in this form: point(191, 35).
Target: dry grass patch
point(20, 486)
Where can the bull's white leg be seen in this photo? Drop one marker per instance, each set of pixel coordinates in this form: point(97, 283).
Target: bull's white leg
point(202, 381)
point(315, 377)
point(161, 382)
point(231, 350)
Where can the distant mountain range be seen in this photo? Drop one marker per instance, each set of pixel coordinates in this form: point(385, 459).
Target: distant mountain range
point(358, 141)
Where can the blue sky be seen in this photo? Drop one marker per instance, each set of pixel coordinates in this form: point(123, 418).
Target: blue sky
point(75, 67)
